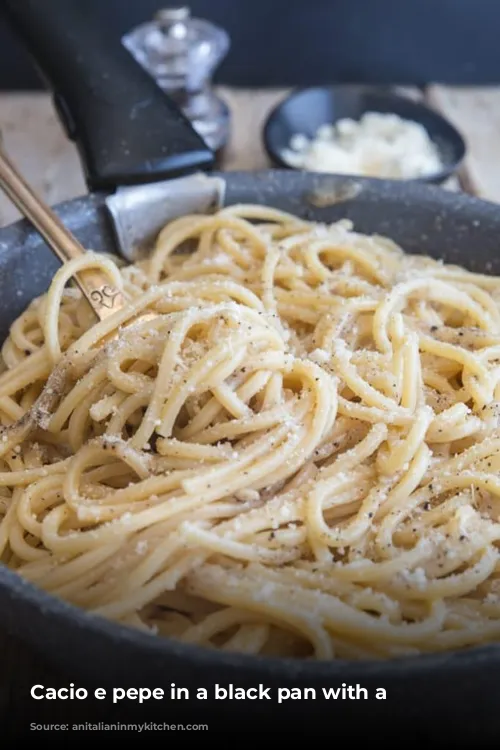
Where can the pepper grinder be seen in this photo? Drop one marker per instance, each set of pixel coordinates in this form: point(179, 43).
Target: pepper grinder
point(181, 53)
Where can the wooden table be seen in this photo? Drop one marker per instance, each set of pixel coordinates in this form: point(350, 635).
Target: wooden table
point(37, 143)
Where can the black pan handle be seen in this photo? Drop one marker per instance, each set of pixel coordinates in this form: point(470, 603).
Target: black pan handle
point(126, 128)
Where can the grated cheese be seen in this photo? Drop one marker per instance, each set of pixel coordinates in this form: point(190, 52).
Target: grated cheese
point(378, 145)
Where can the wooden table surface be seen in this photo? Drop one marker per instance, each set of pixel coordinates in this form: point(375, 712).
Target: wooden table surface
point(36, 142)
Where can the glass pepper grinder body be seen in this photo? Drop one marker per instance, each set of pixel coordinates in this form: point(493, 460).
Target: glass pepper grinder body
point(182, 53)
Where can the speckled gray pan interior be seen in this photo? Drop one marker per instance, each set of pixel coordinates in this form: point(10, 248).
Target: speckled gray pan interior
point(423, 219)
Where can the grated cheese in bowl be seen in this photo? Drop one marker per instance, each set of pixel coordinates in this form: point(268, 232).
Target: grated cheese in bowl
point(378, 145)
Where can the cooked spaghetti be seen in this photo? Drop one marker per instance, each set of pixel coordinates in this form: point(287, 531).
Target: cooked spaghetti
point(298, 455)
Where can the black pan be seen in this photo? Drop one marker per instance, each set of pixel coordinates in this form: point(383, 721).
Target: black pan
point(450, 697)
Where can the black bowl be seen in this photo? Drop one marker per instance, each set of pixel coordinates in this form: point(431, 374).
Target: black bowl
point(307, 109)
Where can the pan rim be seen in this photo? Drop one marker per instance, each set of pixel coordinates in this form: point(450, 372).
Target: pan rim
point(114, 635)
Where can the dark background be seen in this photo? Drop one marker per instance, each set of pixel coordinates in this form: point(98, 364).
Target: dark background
point(304, 42)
